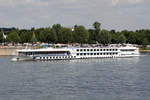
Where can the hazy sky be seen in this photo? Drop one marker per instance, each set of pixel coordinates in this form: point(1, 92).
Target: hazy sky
point(113, 14)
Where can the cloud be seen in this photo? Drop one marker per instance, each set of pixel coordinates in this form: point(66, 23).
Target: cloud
point(13, 3)
point(135, 1)
point(126, 2)
point(42, 13)
point(115, 2)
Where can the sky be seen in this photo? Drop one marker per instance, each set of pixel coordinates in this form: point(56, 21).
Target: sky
point(112, 14)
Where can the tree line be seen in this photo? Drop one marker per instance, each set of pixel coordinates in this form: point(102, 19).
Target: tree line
point(79, 34)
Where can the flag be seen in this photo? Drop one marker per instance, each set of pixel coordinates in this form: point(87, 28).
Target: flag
point(4, 36)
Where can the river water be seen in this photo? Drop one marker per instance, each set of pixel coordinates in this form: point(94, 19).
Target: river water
point(89, 79)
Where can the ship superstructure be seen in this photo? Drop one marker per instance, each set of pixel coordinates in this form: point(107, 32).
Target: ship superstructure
point(63, 53)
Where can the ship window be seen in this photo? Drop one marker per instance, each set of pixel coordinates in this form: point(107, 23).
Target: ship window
point(77, 53)
point(104, 53)
point(94, 49)
point(84, 49)
point(91, 49)
point(127, 49)
point(107, 49)
point(100, 53)
point(97, 49)
point(97, 53)
point(77, 49)
point(81, 53)
point(84, 53)
point(81, 50)
point(103, 49)
point(91, 53)
point(94, 53)
point(88, 53)
point(87, 49)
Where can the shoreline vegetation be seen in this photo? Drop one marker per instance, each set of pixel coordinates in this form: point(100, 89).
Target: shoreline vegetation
point(58, 34)
point(144, 50)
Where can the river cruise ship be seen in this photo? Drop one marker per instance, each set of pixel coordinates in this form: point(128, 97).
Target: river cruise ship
point(77, 52)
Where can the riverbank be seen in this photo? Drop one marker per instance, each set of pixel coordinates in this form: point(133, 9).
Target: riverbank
point(144, 50)
point(11, 50)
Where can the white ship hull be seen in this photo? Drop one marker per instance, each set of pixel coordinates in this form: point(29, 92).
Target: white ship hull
point(77, 53)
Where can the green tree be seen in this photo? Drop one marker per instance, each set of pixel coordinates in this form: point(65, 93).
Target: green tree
point(91, 36)
point(97, 26)
point(37, 32)
point(132, 38)
point(48, 35)
point(67, 35)
point(25, 36)
point(13, 37)
point(141, 34)
point(105, 37)
point(114, 36)
point(81, 34)
point(43, 36)
point(52, 37)
point(145, 42)
point(58, 30)
point(1, 37)
point(121, 39)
